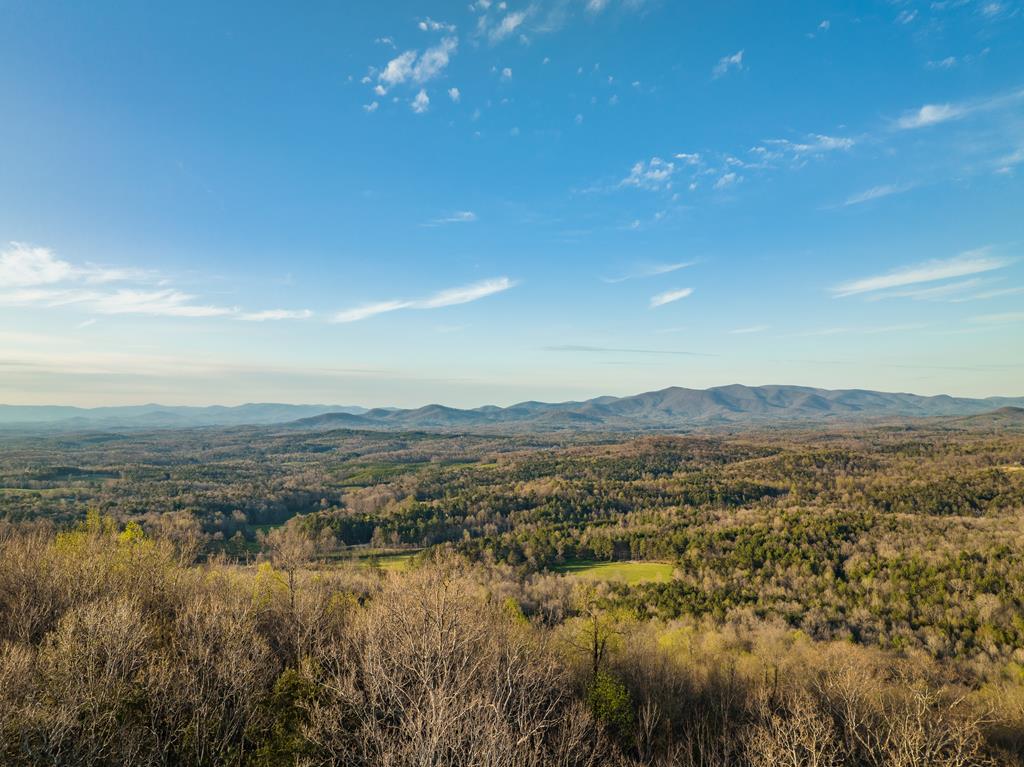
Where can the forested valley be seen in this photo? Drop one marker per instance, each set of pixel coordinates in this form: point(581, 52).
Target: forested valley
point(267, 596)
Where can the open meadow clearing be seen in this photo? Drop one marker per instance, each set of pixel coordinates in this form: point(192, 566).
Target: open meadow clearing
point(627, 572)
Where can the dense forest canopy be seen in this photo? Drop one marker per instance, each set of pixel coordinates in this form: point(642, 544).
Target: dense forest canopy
point(260, 596)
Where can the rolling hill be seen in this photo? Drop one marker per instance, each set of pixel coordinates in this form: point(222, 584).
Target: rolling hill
point(675, 408)
point(672, 408)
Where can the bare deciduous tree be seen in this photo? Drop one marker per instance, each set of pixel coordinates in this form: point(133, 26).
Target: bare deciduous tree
point(436, 676)
point(290, 550)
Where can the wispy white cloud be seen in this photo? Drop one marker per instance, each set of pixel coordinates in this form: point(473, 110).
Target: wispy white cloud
point(728, 63)
point(430, 25)
point(655, 173)
point(999, 319)
point(1007, 163)
point(934, 293)
point(876, 193)
point(496, 23)
point(465, 294)
point(397, 70)
point(815, 144)
point(23, 265)
point(34, 277)
point(823, 27)
point(454, 94)
point(168, 302)
point(649, 271)
point(727, 180)
point(988, 294)
point(458, 217)
point(507, 26)
point(930, 114)
point(717, 170)
point(434, 60)
point(420, 103)
point(935, 114)
point(276, 314)
point(970, 262)
point(413, 67)
point(370, 310)
point(689, 158)
point(751, 329)
point(46, 297)
point(449, 297)
point(821, 143)
point(669, 296)
point(951, 292)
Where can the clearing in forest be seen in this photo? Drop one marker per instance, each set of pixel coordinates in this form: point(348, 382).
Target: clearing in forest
point(630, 572)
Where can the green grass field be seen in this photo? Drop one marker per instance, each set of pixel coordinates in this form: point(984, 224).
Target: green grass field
point(632, 572)
point(396, 562)
point(364, 476)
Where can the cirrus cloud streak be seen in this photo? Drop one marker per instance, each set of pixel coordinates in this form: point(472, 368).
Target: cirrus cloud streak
point(33, 276)
point(967, 263)
point(669, 296)
point(448, 297)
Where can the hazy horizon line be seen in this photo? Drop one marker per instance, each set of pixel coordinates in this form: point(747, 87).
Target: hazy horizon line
point(248, 403)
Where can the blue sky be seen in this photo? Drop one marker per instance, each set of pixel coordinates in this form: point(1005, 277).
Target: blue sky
point(398, 203)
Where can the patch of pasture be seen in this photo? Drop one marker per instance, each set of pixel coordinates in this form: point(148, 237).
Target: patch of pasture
point(631, 572)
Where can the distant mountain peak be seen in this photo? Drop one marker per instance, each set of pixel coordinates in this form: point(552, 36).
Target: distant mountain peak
point(674, 407)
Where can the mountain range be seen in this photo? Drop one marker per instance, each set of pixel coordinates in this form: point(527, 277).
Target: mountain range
point(67, 418)
point(672, 408)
